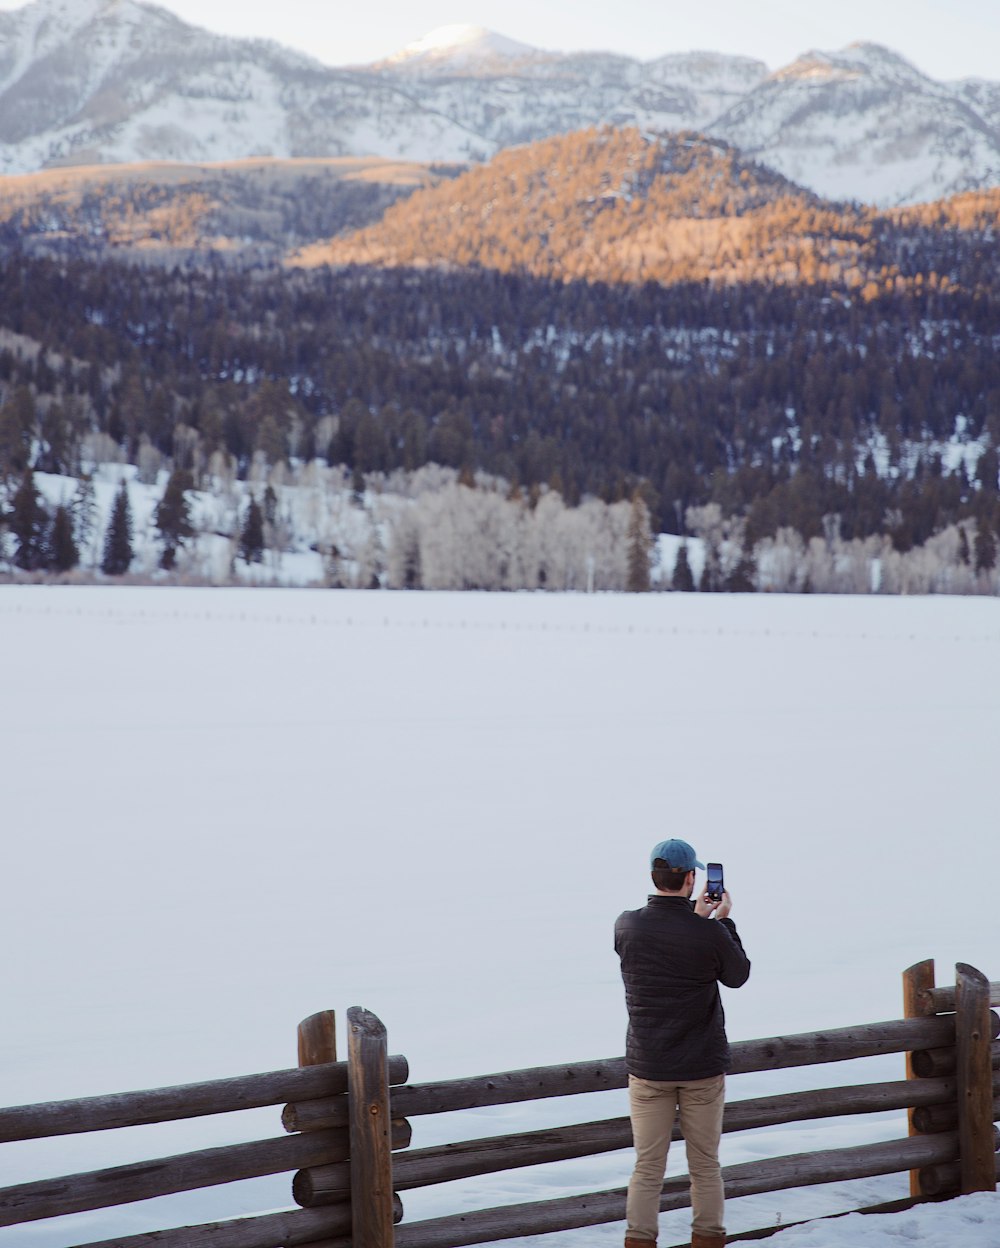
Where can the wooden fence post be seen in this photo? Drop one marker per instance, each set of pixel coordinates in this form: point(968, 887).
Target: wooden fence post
point(318, 1039)
point(372, 1208)
point(975, 1080)
point(916, 979)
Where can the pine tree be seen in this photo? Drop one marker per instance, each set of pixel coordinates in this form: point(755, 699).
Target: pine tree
point(742, 579)
point(683, 577)
point(252, 533)
point(28, 521)
point(17, 422)
point(83, 510)
point(173, 516)
point(985, 548)
point(118, 538)
point(63, 553)
point(964, 554)
point(639, 547)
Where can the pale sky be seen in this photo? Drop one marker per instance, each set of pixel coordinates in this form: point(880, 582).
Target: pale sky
point(945, 38)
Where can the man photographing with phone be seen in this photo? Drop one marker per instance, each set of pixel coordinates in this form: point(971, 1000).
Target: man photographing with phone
point(674, 954)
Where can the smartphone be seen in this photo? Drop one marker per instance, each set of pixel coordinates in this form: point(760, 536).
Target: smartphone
point(716, 885)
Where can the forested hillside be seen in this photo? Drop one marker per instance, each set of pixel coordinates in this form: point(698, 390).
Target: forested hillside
point(842, 383)
point(244, 211)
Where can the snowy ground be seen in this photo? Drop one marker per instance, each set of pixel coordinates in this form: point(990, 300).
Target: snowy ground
point(227, 809)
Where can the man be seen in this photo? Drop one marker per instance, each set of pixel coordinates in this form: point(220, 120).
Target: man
point(674, 954)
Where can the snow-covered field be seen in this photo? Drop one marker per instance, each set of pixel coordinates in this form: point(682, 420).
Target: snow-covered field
point(227, 809)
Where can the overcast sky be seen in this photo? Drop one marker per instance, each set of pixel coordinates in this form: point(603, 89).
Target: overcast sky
point(944, 38)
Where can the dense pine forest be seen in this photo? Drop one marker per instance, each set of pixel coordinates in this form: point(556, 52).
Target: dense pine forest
point(861, 398)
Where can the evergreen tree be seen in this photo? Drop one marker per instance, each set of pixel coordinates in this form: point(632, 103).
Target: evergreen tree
point(964, 554)
point(985, 548)
point(17, 423)
point(83, 510)
point(173, 516)
point(639, 548)
point(28, 521)
point(63, 553)
point(118, 552)
point(683, 577)
point(252, 533)
point(742, 579)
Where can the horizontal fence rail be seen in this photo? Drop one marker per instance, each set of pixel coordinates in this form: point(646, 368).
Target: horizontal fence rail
point(942, 1000)
point(446, 1162)
point(543, 1082)
point(192, 1100)
point(748, 1179)
point(348, 1131)
point(271, 1230)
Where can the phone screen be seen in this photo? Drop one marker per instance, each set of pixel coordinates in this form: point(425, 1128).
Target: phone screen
point(715, 886)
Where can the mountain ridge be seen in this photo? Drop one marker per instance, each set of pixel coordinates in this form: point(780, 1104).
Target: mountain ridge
point(121, 81)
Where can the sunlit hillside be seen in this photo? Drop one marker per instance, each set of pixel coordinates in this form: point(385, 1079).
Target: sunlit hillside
point(247, 210)
point(619, 206)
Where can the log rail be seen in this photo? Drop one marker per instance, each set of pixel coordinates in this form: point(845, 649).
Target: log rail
point(347, 1131)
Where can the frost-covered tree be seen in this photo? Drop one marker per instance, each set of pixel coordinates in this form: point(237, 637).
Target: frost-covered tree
point(781, 562)
point(403, 562)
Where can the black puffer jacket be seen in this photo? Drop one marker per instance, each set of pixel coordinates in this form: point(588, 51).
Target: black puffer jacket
point(673, 961)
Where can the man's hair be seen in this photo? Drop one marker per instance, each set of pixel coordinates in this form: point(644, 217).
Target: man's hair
point(667, 878)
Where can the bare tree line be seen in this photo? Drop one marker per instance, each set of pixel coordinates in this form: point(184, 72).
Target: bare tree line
point(438, 529)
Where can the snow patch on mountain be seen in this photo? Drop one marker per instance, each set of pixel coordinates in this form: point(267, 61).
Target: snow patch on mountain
point(864, 124)
point(89, 81)
point(458, 48)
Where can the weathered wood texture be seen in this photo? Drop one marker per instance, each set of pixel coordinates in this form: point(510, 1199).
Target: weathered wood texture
point(193, 1100)
point(942, 1000)
point(468, 1158)
point(946, 1179)
point(975, 1080)
point(944, 1117)
point(751, 1178)
point(317, 1039)
point(931, 1063)
point(917, 980)
point(326, 1185)
point(272, 1230)
point(165, 1176)
point(542, 1082)
point(508, 1087)
point(371, 1186)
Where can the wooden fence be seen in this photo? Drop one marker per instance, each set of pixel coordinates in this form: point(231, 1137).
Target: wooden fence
point(347, 1131)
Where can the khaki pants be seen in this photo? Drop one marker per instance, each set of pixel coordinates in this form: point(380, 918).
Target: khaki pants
point(652, 1105)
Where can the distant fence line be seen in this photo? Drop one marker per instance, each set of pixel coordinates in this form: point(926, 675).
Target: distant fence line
point(347, 1131)
point(582, 628)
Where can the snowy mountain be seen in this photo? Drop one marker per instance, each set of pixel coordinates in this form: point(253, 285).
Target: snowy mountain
point(865, 123)
point(96, 81)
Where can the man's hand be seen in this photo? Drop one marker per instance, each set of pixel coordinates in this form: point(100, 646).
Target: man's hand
point(709, 908)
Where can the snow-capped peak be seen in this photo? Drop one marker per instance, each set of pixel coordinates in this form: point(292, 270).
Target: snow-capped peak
point(459, 47)
point(857, 60)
